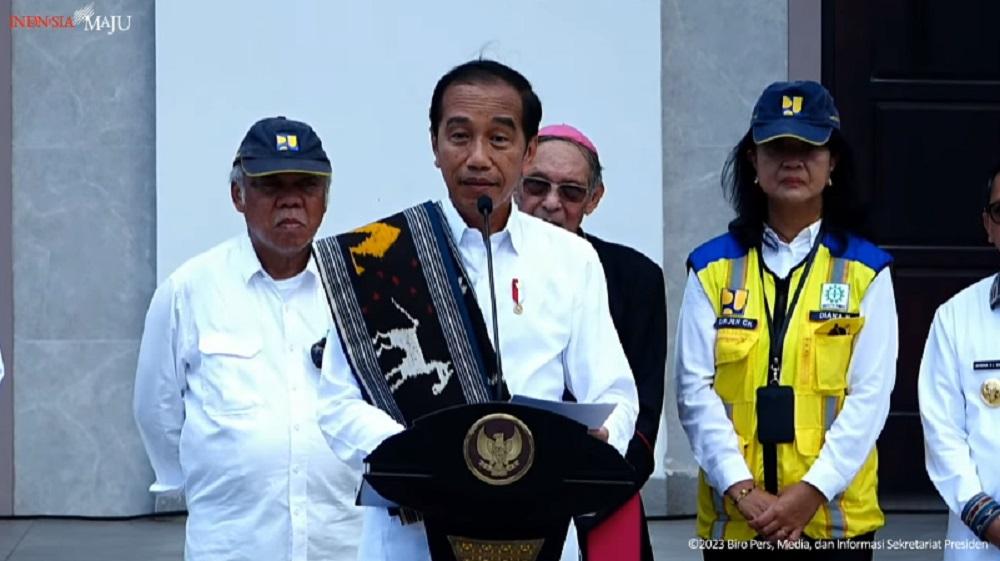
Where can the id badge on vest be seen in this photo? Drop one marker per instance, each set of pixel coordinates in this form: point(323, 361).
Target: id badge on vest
point(775, 414)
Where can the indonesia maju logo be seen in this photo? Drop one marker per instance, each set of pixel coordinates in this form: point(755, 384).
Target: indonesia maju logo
point(85, 18)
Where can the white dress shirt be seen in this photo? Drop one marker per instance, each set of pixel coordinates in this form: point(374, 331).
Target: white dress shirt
point(225, 400)
point(960, 429)
point(563, 339)
point(870, 378)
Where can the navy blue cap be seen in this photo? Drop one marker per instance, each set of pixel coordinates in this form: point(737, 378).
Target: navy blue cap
point(280, 145)
point(803, 110)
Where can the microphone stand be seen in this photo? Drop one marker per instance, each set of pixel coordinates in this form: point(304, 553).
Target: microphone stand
point(485, 206)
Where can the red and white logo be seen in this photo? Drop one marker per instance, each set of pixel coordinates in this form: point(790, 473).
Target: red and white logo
point(85, 18)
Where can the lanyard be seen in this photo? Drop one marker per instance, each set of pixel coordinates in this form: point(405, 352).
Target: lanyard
point(777, 323)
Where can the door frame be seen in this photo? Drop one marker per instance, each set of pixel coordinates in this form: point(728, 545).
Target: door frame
point(805, 39)
point(6, 266)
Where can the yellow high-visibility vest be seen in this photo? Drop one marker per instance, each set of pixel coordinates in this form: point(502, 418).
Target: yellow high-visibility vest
point(815, 358)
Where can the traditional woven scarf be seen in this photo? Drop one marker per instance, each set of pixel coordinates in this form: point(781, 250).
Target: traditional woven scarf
point(407, 317)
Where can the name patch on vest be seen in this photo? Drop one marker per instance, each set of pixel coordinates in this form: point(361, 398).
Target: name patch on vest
point(986, 365)
point(823, 315)
point(735, 322)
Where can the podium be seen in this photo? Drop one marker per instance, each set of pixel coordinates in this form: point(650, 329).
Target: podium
point(498, 481)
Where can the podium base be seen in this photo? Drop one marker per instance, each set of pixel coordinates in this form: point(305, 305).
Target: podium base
point(452, 540)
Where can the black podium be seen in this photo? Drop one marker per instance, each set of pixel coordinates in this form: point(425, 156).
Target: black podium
point(498, 481)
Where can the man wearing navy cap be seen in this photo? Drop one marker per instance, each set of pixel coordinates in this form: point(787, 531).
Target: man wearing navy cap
point(225, 392)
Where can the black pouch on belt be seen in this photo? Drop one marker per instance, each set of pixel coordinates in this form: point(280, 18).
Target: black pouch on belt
point(775, 414)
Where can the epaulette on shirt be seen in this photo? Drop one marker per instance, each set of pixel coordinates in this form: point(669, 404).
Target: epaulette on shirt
point(858, 249)
point(722, 247)
point(849, 247)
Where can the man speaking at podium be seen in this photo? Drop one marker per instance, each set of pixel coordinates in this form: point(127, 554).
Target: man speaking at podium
point(410, 336)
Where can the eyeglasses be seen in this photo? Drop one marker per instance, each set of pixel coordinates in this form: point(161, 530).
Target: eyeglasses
point(539, 187)
point(993, 210)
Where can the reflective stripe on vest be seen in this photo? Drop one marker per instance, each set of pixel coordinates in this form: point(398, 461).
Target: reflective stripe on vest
point(721, 516)
point(834, 508)
point(838, 271)
point(738, 273)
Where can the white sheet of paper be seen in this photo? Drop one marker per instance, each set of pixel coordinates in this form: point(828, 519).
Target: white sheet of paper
point(592, 415)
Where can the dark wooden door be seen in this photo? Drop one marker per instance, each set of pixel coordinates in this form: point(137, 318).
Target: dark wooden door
point(917, 83)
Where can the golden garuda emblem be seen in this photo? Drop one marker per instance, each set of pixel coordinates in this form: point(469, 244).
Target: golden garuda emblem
point(499, 449)
point(991, 392)
point(498, 455)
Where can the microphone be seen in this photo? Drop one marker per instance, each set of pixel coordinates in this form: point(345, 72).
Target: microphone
point(485, 206)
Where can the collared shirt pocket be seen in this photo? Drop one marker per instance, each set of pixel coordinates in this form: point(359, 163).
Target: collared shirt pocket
point(229, 365)
point(834, 343)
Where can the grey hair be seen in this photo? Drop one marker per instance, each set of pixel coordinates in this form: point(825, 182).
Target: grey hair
point(238, 177)
point(596, 177)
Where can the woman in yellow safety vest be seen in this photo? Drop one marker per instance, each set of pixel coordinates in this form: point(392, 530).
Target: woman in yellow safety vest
point(786, 344)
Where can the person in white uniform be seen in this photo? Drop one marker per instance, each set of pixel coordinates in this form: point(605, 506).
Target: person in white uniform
point(225, 391)
point(959, 391)
point(552, 304)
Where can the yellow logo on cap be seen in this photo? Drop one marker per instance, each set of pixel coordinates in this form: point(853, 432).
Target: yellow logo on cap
point(287, 142)
point(791, 105)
